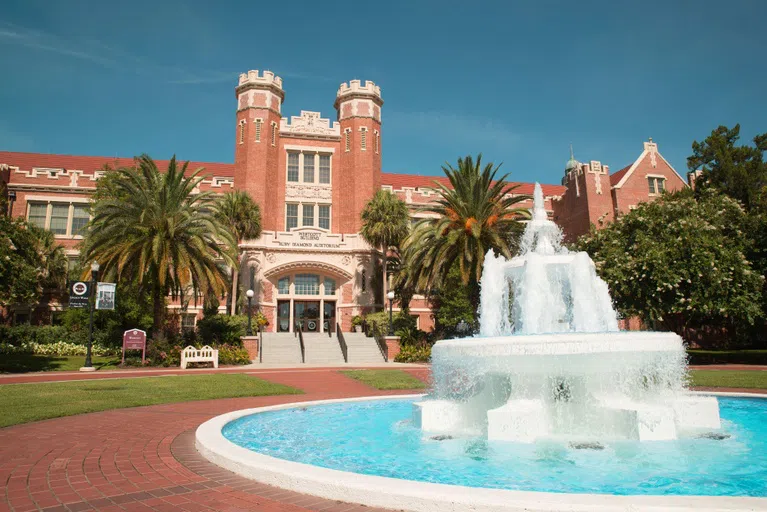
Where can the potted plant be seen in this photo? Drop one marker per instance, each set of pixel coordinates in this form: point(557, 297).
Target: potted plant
point(356, 323)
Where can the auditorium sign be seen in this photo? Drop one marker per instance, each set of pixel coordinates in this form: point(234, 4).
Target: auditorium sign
point(309, 240)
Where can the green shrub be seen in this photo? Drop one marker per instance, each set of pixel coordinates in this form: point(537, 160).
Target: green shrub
point(222, 329)
point(161, 351)
point(228, 354)
point(414, 354)
point(378, 323)
point(59, 348)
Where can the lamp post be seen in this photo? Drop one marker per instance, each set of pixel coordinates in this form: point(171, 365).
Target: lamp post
point(390, 296)
point(94, 277)
point(249, 294)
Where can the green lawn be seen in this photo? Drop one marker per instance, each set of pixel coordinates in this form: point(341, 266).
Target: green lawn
point(21, 403)
point(752, 379)
point(385, 379)
point(22, 363)
point(727, 356)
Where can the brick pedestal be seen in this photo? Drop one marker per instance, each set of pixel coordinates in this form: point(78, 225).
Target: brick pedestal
point(392, 347)
point(251, 345)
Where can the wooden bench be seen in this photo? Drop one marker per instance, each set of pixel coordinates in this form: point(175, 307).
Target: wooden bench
point(199, 355)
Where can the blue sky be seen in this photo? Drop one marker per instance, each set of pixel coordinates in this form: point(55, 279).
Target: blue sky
point(518, 81)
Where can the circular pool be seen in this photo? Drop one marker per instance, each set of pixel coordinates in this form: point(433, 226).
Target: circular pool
point(353, 450)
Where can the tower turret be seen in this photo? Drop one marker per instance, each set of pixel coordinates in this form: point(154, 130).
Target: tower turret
point(359, 113)
point(256, 155)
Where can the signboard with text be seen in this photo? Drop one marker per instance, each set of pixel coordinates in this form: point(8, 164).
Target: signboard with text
point(79, 294)
point(135, 339)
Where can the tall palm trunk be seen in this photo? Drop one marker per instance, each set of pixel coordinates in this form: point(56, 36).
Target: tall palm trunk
point(158, 308)
point(235, 275)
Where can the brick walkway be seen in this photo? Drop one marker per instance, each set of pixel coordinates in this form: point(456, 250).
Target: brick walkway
point(144, 459)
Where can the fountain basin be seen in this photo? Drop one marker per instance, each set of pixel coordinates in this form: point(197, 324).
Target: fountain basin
point(365, 451)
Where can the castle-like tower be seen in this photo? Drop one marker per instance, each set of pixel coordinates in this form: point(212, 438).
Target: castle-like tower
point(305, 172)
point(359, 113)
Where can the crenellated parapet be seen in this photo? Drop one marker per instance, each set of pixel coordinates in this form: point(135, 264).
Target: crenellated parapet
point(355, 87)
point(358, 99)
point(255, 79)
point(259, 90)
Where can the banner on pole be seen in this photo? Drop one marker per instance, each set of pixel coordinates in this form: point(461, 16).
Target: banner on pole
point(79, 294)
point(105, 296)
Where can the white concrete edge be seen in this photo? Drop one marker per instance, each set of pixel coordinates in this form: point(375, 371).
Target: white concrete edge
point(398, 494)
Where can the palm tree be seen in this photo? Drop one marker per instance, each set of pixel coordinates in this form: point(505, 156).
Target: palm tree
point(385, 224)
point(476, 213)
point(154, 227)
point(242, 216)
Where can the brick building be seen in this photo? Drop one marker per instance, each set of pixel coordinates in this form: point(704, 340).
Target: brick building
point(312, 178)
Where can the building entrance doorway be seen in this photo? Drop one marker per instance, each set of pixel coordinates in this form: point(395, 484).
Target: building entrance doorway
point(329, 316)
point(307, 314)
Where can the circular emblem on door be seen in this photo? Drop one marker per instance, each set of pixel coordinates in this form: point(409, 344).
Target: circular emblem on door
point(79, 288)
point(311, 325)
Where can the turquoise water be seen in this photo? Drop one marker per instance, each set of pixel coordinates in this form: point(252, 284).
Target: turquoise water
point(377, 438)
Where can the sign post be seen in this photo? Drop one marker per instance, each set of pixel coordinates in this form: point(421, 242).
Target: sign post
point(135, 339)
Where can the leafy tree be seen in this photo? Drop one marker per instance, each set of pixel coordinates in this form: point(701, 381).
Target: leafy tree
point(475, 214)
point(451, 303)
point(242, 216)
point(152, 227)
point(738, 171)
point(30, 262)
point(385, 223)
point(680, 263)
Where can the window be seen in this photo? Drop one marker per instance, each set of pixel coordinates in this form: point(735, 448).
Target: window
point(283, 286)
point(259, 122)
point(308, 168)
point(274, 133)
point(363, 138)
point(291, 216)
point(324, 216)
point(324, 168)
point(80, 218)
point(656, 185)
point(293, 167)
point(348, 142)
point(187, 322)
point(37, 214)
point(378, 140)
point(307, 284)
point(59, 219)
point(308, 217)
point(73, 265)
point(330, 286)
point(242, 131)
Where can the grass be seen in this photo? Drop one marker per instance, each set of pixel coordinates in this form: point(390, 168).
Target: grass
point(22, 363)
point(22, 403)
point(698, 356)
point(751, 379)
point(385, 379)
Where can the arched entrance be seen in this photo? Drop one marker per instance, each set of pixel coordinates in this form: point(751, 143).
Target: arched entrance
point(307, 296)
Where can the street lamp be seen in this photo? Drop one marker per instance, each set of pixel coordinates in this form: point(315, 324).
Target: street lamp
point(390, 296)
point(249, 294)
point(94, 277)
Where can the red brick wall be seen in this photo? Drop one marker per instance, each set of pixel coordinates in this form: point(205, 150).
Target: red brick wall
point(635, 190)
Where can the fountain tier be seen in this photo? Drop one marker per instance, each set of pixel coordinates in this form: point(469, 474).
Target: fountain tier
point(551, 362)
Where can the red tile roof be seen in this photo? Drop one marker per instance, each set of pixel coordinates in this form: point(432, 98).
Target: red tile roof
point(88, 164)
point(398, 181)
point(616, 176)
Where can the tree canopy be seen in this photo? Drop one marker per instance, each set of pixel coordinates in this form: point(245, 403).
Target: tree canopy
point(680, 263)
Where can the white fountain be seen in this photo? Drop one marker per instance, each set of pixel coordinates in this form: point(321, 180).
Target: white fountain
point(550, 362)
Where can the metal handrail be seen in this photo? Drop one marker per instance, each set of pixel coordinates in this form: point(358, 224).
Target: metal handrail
point(301, 342)
point(342, 343)
point(382, 347)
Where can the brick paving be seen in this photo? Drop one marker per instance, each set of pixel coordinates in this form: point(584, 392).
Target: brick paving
point(143, 459)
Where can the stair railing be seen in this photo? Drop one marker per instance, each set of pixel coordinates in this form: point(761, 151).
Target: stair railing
point(300, 333)
point(342, 343)
point(381, 342)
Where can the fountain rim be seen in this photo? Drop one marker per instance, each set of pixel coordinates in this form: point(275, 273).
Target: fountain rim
point(414, 496)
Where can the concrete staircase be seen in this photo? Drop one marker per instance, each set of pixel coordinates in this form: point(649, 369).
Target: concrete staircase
point(281, 348)
point(362, 349)
point(322, 349)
